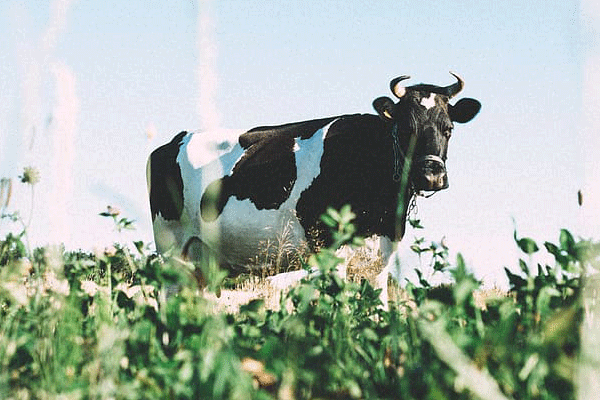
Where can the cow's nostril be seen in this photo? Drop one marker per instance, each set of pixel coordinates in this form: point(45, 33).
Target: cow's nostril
point(437, 168)
point(433, 167)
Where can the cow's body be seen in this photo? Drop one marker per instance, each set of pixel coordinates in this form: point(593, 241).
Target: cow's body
point(276, 182)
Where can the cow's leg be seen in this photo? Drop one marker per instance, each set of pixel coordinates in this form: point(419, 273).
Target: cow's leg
point(386, 248)
point(346, 252)
point(198, 253)
point(375, 246)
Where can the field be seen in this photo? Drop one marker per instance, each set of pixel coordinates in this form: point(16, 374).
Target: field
point(124, 323)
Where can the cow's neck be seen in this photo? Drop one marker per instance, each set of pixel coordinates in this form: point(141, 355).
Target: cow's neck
point(401, 176)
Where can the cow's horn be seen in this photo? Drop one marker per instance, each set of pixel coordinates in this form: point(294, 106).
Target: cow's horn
point(455, 88)
point(397, 89)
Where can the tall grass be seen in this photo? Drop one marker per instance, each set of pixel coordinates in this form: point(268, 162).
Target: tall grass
point(78, 325)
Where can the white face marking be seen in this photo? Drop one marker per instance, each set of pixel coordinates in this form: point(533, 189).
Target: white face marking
point(428, 102)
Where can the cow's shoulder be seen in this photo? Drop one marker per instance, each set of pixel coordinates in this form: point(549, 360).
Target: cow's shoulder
point(361, 141)
point(366, 126)
point(356, 168)
point(164, 180)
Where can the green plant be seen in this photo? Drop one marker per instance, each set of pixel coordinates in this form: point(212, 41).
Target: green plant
point(16, 245)
point(120, 223)
point(83, 325)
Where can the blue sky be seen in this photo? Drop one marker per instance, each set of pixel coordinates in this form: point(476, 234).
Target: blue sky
point(82, 84)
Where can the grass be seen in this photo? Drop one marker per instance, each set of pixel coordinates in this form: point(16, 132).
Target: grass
point(77, 325)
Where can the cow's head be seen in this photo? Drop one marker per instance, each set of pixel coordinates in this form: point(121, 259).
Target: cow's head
point(421, 125)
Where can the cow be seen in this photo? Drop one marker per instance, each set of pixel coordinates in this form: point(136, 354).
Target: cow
point(283, 178)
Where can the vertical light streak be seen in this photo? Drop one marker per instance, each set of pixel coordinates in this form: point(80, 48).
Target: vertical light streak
point(56, 25)
point(590, 17)
point(64, 131)
point(207, 67)
point(208, 86)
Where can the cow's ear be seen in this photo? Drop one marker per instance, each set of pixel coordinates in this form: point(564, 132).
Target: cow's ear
point(464, 110)
point(384, 107)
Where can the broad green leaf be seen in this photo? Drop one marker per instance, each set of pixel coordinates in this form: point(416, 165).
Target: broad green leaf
point(527, 245)
point(566, 241)
point(524, 267)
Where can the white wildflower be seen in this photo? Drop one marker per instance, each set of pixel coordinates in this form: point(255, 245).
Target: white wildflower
point(56, 285)
point(89, 287)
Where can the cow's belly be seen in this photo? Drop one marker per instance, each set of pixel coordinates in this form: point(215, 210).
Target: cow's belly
point(242, 235)
point(246, 235)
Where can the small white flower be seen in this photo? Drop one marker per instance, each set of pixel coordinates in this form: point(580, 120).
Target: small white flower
point(17, 290)
point(30, 175)
point(89, 287)
point(110, 251)
point(56, 285)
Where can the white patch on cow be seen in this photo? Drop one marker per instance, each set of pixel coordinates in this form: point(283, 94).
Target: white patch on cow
point(428, 102)
point(167, 234)
point(206, 146)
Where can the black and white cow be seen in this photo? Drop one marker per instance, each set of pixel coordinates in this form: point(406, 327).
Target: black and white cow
point(285, 177)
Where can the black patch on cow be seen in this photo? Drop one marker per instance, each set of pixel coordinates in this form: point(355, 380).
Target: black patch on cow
point(356, 169)
point(166, 185)
point(266, 172)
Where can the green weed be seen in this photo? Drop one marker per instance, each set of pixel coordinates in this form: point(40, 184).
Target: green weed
point(79, 325)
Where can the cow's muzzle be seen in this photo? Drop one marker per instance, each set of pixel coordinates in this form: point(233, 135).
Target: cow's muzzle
point(430, 173)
